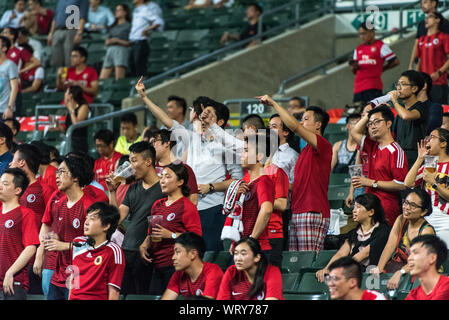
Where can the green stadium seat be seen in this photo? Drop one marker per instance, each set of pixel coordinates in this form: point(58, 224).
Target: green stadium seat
point(446, 266)
point(52, 97)
point(25, 136)
point(222, 258)
point(161, 56)
point(189, 55)
point(190, 39)
point(337, 196)
point(335, 128)
point(294, 261)
point(309, 284)
point(306, 296)
point(36, 297)
point(290, 281)
point(322, 258)
point(339, 179)
point(370, 282)
point(142, 297)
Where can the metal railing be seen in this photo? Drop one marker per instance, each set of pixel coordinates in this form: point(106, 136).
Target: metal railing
point(344, 57)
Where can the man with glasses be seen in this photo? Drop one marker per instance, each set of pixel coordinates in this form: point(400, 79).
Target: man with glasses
point(368, 64)
point(345, 281)
point(387, 163)
point(413, 116)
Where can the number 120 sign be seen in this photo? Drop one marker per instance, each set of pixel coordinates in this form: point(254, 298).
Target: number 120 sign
point(252, 108)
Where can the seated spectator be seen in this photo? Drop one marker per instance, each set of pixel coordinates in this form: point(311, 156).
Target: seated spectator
point(37, 19)
point(253, 13)
point(106, 164)
point(117, 43)
point(77, 111)
point(128, 127)
point(24, 37)
point(179, 215)
point(32, 80)
point(13, 18)
point(6, 155)
point(252, 277)
point(434, 183)
point(193, 277)
point(435, 109)
point(79, 74)
point(344, 151)
point(100, 18)
point(427, 254)
point(252, 123)
point(416, 205)
point(366, 242)
point(14, 125)
point(445, 122)
point(345, 281)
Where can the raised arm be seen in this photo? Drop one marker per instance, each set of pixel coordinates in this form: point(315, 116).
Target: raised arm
point(403, 112)
point(358, 131)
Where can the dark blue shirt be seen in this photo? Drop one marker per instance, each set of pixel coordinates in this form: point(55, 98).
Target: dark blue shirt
point(61, 15)
point(435, 115)
point(5, 159)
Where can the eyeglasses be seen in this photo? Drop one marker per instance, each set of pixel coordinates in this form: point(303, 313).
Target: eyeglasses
point(429, 137)
point(153, 140)
point(374, 123)
point(61, 172)
point(402, 84)
point(412, 205)
point(331, 279)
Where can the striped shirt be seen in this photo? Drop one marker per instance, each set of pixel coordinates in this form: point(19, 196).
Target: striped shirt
point(441, 178)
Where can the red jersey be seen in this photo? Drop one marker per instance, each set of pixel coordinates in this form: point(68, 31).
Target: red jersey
point(96, 269)
point(181, 216)
point(19, 56)
point(49, 177)
point(440, 292)
point(120, 193)
point(372, 295)
point(44, 21)
point(18, 230)
point(191, 183)
point(312, 171)
point(207, 283)
point(95, 193)
point(33, 198)
point(388, 163)
point(442, 177)
point(235, 285)
point(371, 59)
point(432, 51)
point(69, 225)
point(104, 167)
point(260, 191)
point(281, 183)
point(84, 78)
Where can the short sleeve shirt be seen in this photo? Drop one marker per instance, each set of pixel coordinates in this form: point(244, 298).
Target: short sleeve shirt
point(33, 198)
point(372, 295)
point(191, 183)
point(432, 50)
point(120, 31)
point(410, 132)
point(103, 167)
point(440, 292)
point(8, 72)
point(84, 78)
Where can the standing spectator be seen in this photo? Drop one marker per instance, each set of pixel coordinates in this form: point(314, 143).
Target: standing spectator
point(296, 105)
point(345, 281)
point(106, 164)
point(433, 57)
point(309, 203)
point(5, 147)
point(65, 217)
point(427, 254)
point(137, 205)
point(37, 19)
point(176, 110)
point(62, 37)
point(368, 64)
point(434, 183)
point(252, 277)
point(9, 76)
point(99, 18)
point(19, 236)
point(416, 205)
point(154, 8)
point(445, 121)
point(193, 277)
point(427, 7)
point(117, 43)
point(79, 74)
point(100, 262)
point(14, 18)
point(365, 242)
point(128, 127)
point(179, 215)
point(435, 109)
point(47, 172)
point(253, 12)
point(344, 151)
point(143, 23)
point(207, 158)
point(387, 164)
point(413, 118)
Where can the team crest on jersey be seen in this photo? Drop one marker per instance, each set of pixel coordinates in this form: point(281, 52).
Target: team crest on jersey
point(76, 223)
point(85, 76)
point(199, 292)
point(98, 260)
point(261, 296)
point(171, 216)
point(373, 49)
point(436, 41)
point(31, 198)
point(9, 223)
point(247, 196)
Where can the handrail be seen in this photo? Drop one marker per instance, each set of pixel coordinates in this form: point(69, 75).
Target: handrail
point(322, 66)
point(259, 35)
point(73, 127)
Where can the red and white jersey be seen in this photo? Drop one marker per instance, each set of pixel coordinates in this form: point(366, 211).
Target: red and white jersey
point(33, 198)
point(95, 269)
point(372, 295)
point(432, 51)
point(96, 193)
point(371, 59)
point(82, 79)
point(104, 167)
point(49, 177)
point(235, 285)
point(18, 230)
point(207, 283)
point(441, 178)
point(387, 163)
point(439, 292)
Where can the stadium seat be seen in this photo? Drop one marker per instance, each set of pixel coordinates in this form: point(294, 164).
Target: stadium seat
point(309, 284)
point(190, 39)
point(142, 297)
point(337, 196)
point(294, 261)
point(446, 266)
point(290, 281)
point(322, 258)
point(339, 179)
point(306, 296)
point(222, 258)
point(370, 281)
point(36, 297)
point(52, 97)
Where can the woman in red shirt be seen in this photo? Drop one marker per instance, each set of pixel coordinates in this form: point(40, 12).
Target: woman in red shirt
point(179, 215)
point(251, 278)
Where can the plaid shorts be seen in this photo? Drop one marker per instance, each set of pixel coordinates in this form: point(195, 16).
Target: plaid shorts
point(308, 231)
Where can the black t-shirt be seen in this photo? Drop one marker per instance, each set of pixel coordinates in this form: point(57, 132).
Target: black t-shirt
point(422, 31)
point(409, 132)
point(140, 202)
point(251, 30)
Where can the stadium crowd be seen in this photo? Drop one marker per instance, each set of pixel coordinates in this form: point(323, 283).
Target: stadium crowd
point(141, 217)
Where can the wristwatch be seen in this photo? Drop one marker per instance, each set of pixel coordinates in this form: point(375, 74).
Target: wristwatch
point(173, 235)
point(211, 187)
point(374, 184)
point(402, 271)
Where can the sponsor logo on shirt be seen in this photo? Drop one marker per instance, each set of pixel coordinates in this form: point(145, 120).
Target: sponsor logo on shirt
point(199, 292)
point(60, 218)
point(261, 296)
point(31, 198)
point(9, 223)
point(171, 216)
point(182, 291)
point(236, 293)
point(98, 260)
point(76, 223)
